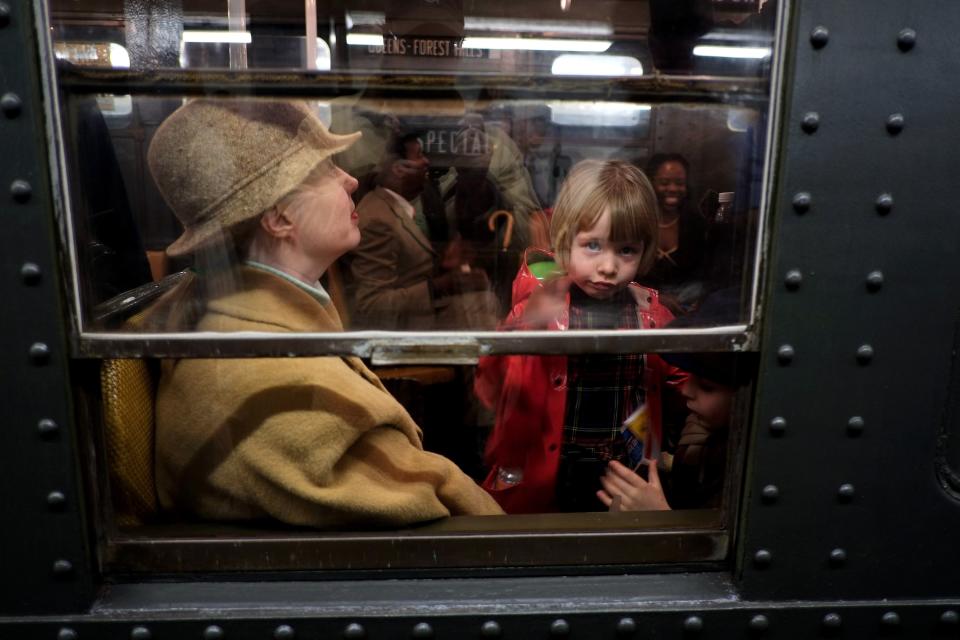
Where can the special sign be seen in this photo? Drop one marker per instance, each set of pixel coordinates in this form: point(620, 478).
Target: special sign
point(421, 47)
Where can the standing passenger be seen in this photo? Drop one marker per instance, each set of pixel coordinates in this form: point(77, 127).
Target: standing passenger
point(559, 418)
point(311, 441)
point(678, 271)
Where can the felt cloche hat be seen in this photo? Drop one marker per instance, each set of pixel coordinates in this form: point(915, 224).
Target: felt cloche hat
point(219, 162)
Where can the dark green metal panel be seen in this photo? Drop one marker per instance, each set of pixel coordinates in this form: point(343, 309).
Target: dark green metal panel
point(856, 355)
point(43, 541)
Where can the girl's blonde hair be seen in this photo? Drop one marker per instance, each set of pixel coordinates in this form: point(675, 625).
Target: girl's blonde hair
point(595, 186)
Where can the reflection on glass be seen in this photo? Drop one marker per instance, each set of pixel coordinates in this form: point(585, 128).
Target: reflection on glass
point(448, 204)
point(489, 163)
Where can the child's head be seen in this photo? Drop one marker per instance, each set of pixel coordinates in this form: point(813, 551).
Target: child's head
point(714, 377)
point(709, 399)
point(604, 225)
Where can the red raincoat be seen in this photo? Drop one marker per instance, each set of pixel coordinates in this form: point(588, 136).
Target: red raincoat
point(529, 393)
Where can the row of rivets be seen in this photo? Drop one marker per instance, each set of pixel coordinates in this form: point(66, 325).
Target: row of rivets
point(810, 122)
point(855, 426)
point(906, 39)
point(771, 493)
point(21, 191)
point(691, 625)
point(794, 278)
point(786, 354)
point(802, 201)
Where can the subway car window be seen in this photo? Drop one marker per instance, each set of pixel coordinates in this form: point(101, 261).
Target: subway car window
point(511, 248)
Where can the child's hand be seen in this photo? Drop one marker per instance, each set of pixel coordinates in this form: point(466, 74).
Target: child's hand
point(548, 302)
point(634, 493)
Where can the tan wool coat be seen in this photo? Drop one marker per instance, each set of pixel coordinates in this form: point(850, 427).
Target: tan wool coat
point(308, 441)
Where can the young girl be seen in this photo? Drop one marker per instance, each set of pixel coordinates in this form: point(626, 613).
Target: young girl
point(559, 418)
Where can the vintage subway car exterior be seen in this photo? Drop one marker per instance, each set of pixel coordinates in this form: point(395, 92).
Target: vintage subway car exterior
point(840, 521)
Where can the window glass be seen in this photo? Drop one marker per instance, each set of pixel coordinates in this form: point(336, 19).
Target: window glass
point(491, 234)
point(458, 172)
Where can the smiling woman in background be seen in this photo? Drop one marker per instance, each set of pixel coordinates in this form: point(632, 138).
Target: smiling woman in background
point(677, 273)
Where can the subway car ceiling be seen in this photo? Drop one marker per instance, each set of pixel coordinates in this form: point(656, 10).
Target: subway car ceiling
point(647, 37)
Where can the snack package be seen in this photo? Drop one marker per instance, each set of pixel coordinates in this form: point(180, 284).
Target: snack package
point(641, 437)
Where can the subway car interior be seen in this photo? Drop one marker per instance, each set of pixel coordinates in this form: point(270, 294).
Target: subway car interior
point(447, 318)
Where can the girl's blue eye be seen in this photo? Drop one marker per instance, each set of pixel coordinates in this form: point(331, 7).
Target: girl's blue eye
point(593, 245)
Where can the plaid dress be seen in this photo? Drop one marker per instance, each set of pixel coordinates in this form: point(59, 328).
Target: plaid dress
point(602, 390)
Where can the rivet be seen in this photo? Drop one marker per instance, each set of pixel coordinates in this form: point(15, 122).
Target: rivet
point(890, 619)
point(21, 190)
point(762, 558)
point(884, 203)
point(770, 493)
point(785, 354)
point(810, 122)
point(140, 633)
point(422, 630)
point(778, 426)
point(56, 500)
point(284, 632)
point(793, 279)
point(62, 567)
point(906, 39)
point(819, 37)
point(66, 633)
point(39, 353)
point(48, 428)
point(30, 273)
point(864, 354)
point(354, 631)
point(838, 557)
point(801, 202)
point(213, 632)
point(950, 618)
point(832, 621)
point(11, 105)
point(895, 123)
point(846, 492)
point(4, 14)
point(759, 623)
point(874, 281)
point(626, 626)
point(559, 627)
point(855, 426)
point(693, 624)
point(490, 629)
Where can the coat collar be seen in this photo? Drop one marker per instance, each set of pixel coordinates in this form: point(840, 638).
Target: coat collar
point(264, 298)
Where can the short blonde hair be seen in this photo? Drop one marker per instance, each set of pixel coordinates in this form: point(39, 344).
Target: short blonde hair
point(595, 186)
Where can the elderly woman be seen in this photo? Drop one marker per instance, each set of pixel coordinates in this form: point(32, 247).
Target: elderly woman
point(309, 441)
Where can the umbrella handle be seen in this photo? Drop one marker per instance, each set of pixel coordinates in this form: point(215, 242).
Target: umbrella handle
point(492, 225)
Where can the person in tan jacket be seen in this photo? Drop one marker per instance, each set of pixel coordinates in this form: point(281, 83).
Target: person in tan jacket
point(308, 441)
